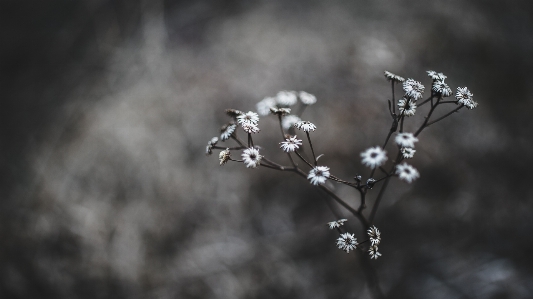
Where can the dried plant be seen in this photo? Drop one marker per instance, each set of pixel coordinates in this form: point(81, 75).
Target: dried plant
point(382, 169)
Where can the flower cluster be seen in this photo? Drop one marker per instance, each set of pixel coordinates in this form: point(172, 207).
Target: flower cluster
point(381, 168)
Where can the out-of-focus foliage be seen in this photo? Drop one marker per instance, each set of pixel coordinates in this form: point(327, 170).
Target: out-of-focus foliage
point(107, 107)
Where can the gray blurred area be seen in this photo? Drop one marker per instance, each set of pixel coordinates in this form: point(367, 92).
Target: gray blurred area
point(107, 107)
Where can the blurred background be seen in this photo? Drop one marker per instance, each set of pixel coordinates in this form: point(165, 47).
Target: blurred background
point(107, 107)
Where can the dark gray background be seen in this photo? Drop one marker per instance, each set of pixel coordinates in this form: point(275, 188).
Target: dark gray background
point(107, 107)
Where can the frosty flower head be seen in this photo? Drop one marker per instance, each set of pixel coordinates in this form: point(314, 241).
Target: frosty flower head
point(408, 152)
point(305, 126)
point(234, 112)
point(373, 252)
point(263, 106)
point(307, 98)
point(413, 89)
point(471, 105)
point(318, 175)
point(338, 223)
point(347, 242)
point(406, 140)
point(210, 144)
point(442, 88)
point(250, 128)
point(290, 144)
point(374, 157)
point(286, 98)
point(280, 111)
point(407, 107)
point(251, 157)
point(392, 77)
point(375, 235)
point(407, 172)
point(224, 156)
point(436, 76)
point(288, 121)
point(226, 131)
point(463, 95)
point(248, 118)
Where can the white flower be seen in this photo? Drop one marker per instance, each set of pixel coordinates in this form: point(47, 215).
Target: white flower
point(280, 111)
point(286, 98)
point(305, 126)
point(406, 140)
point(307, 98)
point(289, 121)
point(471, 105)
point(373, 252)
point(407, 172)
point(408, 152)
point(436, 76)
point(224, 156)
point(442, 88)
point(250, 128)
point(375, 235)
point(407, 106)
point(248, 118)
point(390, 76)
point(290, 144)
point(413, 89)
point(318, 175)
point(227, 130)
point(347, 242)
point(251, 157)
point(338, 223)
point(210, 144)
point(463, 96)
point(374, 157)
point(263, 106)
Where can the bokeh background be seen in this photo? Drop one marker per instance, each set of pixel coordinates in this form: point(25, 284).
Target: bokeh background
point(107, 107)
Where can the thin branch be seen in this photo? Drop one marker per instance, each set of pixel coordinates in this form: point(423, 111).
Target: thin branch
point(312, 150)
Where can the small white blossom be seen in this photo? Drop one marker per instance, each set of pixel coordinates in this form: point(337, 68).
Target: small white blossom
point(406, 140)
point(318, 175)
point(234, 112)
point(291, 144)
point(250, 128)
point(407, 172)
point(224, 156)
point(347, 242)
point(305, 126)
point(392, 77)
point(407, 107)
point(464, 96)
point(442, 88)
point(251, 157)
point(408, 152)
point(436, 76)
point(375, 235)
point(280, 111)
point(374, 157)
point(248, 118)
point(338, 223)
point(226, 131)
point(210, 144)
point(413, 89)
point(471, 104)
point(263, 106)
point(286, 98)
point(373, 252)
point(307, 98)
point(289, 121)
